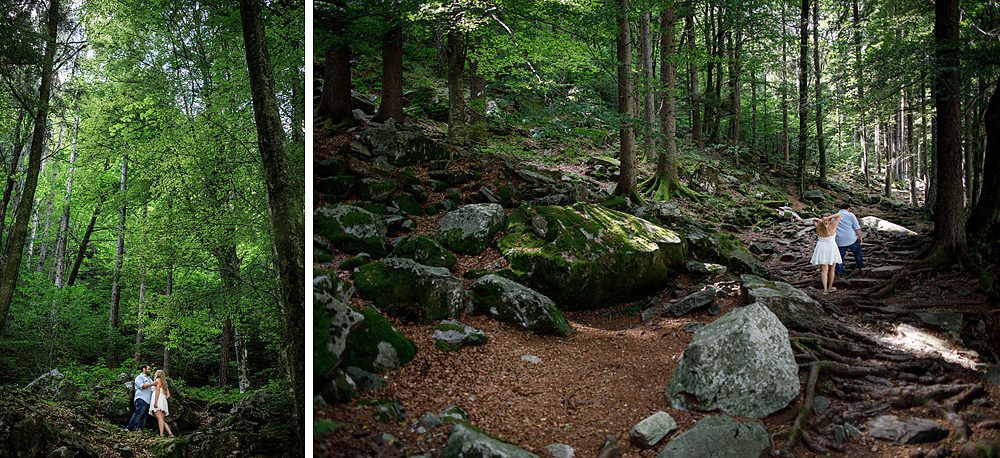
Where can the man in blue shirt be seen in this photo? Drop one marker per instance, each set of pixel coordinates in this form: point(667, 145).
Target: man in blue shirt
point(143, 396)
point(849, 237)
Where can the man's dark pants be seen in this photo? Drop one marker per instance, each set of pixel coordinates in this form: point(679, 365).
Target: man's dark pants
point(858, 259)
point(139, 416)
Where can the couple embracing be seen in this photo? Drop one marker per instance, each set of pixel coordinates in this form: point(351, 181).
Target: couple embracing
point(150, 399)
point(838, 233)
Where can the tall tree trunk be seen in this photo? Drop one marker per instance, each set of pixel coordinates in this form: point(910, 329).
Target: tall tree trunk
point(116, 286)
point(83, 246)
point(977, 137)
point(285, 191)
point(820, 144)
point(803, 94)
point(665, 183)
point(477, 99)
point(648, 85)
point(142, 287)
point(457, 134)
point(785, 138)
point(910, 150)
point(709, 117)
point(887, 139)
point(627, 178)
point(335, 102)
point(391, 106)
point(949, 217)
point(984, 221)
point(12, 266)
point(969, 155)
point(229, 265)
point(858, 68)
point(693, 78)
point(63, 237)
point(242, 355)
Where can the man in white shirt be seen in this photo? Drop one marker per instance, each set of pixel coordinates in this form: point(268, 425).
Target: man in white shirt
point(143, 396)
point(849, 237)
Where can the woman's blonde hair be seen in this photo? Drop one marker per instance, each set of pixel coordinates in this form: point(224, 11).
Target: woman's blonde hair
point(163, 381)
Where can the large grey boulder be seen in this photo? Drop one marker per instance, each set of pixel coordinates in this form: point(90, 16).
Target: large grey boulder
point(792, 306)
point(741, 364)
point(875, 223)
point(333, 319)
point(468, 442)
point(402, 145)
point(693, 301)
point(516, 304)
point(587, 257)
point(351, 229)
point(471, 228)
point(716, 436)
point(46, 382)
point(650, 430)
point(743, 262)
point(400, 286)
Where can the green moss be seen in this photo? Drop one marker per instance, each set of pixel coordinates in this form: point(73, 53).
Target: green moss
point(351, 263)
point(323, 358)
point(333, 224)
point(615, 203)
point(324, 426)
point(377, 209)
point(432, 211)
point(400, 292)
point(424, 250)
point(408, 204)
point(362, 343)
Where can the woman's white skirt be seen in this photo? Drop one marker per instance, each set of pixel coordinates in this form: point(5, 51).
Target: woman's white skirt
point(826, 251)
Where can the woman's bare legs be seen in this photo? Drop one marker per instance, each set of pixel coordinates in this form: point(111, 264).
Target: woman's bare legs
point(163, 423)
point(823, 270)
point(831, 271)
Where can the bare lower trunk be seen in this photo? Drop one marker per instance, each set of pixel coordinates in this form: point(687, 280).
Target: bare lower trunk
point(820, 145)
point(391, 106)
point(627, 177)
point(63, 237)
point(242, 355)
point(119, 250)
point(648, 88)
point(83, 247)
point(803, 94)
point(457, 133)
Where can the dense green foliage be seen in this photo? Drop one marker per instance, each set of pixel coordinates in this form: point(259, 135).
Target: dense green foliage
point(159, 89)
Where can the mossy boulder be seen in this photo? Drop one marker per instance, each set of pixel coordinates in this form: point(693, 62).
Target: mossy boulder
point(402, 287)
point(423, 250)
point(516, 304)
point(337, 187)
point(375, 189)
point(407, 204)
point(471, 228)
point(333, 319)
point(587, 257)
point(741, 261)
point(351, 229)
point(467, 441)
point(376, 345)
point(717, 436)
point(792, 306)
point(451, 335)
point(404, 145)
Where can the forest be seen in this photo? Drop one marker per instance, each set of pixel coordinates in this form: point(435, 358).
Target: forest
point(713, 119)
point(152, 212)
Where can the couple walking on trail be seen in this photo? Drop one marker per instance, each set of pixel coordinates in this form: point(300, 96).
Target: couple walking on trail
point(838, 233)
point(150, 399)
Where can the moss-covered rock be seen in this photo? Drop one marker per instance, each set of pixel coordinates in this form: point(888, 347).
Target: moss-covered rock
point(337, 187)
point(407, 145)
point(423, 250)
point(742, 262)
point(333, 319)
point(402, 287)
point(375, 189)
point(466, 441)
point(407, 204)
point(587, 256)
point(376, 345)
point(351, 229)
point(451, 335)
point(354, 262)
point(470, 229)
point(791, 305)
point(330, 166)
point(515, 304)
point(454, 414)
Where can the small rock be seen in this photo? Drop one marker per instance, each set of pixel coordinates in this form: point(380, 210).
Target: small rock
point(652, 429)
point(993, 375)
point(430, 420)
point(821, 404)
point(531, 359)
point(692, 326)
point(454, 414)
point(560, 450)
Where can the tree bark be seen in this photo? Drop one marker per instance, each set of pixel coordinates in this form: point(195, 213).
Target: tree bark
point(457, 133)
point(83, 246)
point(969, 155)
point(803, 95)
point(12, 267)
point(285, 191)
point(626, 186)
point(861, 90)
point(63, 237)
point(241, 360)
point(785, 138)
point(391, 106)
point(648, 83)
point(116, 286)
point(142, 289)
point(820, 144)
point(477, 100)
point(949, 216)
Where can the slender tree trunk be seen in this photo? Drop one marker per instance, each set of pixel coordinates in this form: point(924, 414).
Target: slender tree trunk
point(666, 165)
point(229, 268)
point(785, 138)
point(858, 68)
point(803, 94)
point(391, 106)
point(457, 133)
point(12, 266)
point(696, 135)
point(242, 356)
point(977, 139)
point(83, 247)
point(116, 286)
point(477, 100)
point(910, 151)
point(166, 337)
point(969, 156)
point(709, 68)
point(648, 86)
point(820, 144)
point(63, 237)
point(627, 186)
point(142, 287)
point(887, 139)
point(949, 217)
point(984, 221)
point(285, 191)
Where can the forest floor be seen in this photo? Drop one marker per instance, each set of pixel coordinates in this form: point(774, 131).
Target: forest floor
point(613, 370)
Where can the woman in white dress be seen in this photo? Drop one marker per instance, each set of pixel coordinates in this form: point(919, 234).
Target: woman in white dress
point(159, 408)
point(826, 253)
